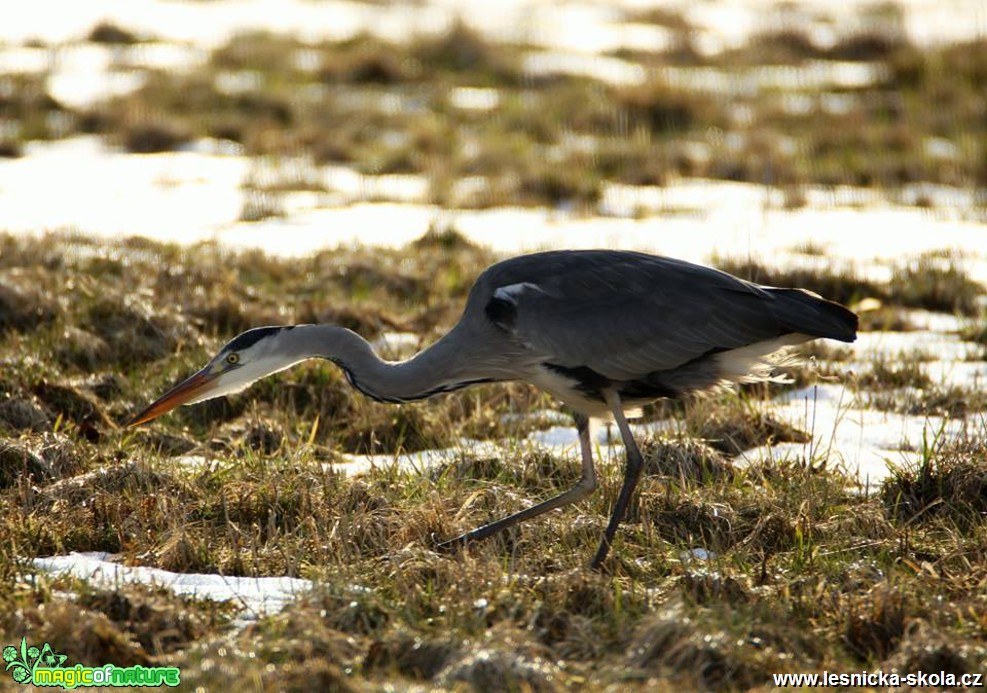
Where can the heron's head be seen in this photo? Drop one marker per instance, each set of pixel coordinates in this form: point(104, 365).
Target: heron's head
point(242, 361)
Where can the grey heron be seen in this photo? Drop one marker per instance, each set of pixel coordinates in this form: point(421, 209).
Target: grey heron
point(603, 331)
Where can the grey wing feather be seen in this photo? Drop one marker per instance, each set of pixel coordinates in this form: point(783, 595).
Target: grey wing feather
point(625, 315)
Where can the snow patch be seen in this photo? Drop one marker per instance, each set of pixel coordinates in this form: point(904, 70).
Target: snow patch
point(257, 596)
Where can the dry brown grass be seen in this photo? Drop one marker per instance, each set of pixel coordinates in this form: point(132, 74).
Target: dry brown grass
point(803, 572)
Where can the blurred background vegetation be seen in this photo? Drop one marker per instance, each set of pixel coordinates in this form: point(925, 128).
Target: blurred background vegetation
point(490, 122)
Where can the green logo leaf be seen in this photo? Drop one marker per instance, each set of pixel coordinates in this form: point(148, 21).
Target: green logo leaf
point(16, 659)
point(24, 662)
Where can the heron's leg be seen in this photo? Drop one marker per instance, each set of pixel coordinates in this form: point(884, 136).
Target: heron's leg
point(585, 486)
point(631, 475)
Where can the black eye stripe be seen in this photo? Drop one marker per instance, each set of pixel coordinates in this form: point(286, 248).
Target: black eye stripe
point(251, 337)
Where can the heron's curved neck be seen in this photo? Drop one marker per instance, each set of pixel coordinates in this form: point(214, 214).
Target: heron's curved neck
point(434, 370)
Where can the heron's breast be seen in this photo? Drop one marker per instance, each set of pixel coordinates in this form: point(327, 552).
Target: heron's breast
point(573, 392)
point(582, 389)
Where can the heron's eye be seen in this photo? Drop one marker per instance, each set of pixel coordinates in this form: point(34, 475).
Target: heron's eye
point(233, 359)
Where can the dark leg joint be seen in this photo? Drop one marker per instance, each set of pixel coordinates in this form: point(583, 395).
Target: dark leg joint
point(586, 484)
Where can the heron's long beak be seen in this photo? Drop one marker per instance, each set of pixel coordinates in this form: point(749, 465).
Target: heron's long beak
point(192, 388)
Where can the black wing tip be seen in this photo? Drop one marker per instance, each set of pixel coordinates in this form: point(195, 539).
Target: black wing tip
point(810, 313)
point(845, 321)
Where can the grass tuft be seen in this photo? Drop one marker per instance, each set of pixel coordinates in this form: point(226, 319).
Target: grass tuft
point(875, 623)
point(949, 486)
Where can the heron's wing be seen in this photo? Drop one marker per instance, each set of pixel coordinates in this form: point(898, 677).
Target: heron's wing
point(625, 315)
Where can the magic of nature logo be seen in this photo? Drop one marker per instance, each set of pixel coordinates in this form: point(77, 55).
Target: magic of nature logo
point(42, 666)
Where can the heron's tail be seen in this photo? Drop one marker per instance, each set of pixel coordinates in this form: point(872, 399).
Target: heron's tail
point(808, 313)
